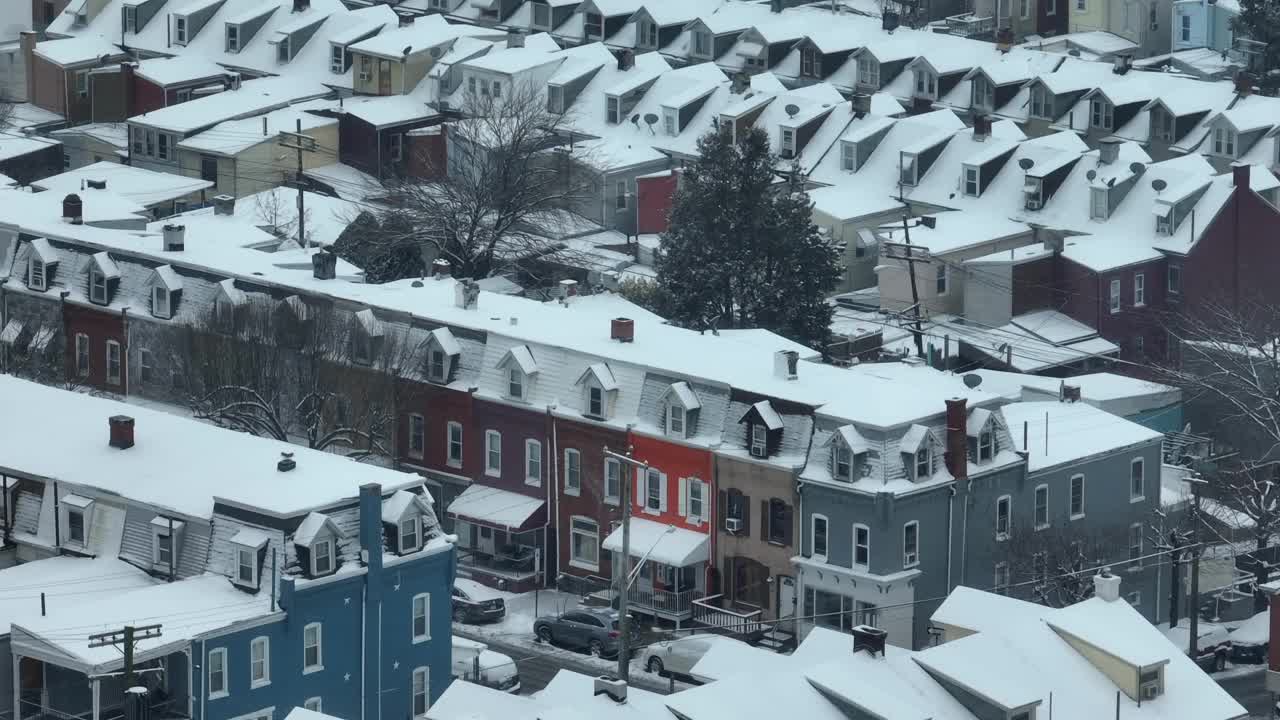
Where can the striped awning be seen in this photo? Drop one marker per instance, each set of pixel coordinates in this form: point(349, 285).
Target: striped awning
point(11, 331)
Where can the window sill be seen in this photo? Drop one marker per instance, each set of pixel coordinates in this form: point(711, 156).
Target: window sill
point(1133, 568)
point(1002, 537)
point(1045, 526)
point(533, 482)
point(312, 669)
point(422, 639)
point(908, 566)
point(611, 501)
point(255, 684)
point(219, 695)
point(818, 558)
point(581, 565)
point(489, 472)
point(575, 492)
point(1139, 305)
point(651, 511)
point(1078, 517)
point(1137, 499)
point(776, 543)
point(415, 455)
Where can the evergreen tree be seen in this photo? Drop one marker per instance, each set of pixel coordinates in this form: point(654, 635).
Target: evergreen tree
point(1260, 20)
point(380, 248)
point(742, 251)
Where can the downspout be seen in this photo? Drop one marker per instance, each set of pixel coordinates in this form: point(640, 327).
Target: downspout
point(204, 692)
point(364, 603)
point(428, 689)
point(964, 539)
point(714, 462)
point(951, 499)
point(553, 481)
point(124, 369)
point(57, 520)
point(4, 318)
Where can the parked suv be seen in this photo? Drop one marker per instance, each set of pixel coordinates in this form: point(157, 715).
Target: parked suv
point(596, 630)
point(1213, 643)
point(475, 603)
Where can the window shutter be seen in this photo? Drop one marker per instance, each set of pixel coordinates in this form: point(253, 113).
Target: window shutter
point(746, 514)
point(642, 489)
point(684, 498)
point(662, 491)
point(764, 520)
point(790, 525)
point(723, 507)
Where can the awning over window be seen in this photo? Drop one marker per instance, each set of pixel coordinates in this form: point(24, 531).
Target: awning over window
point(42, 337)
point(666, 544)
point(501, 508)
point(11, 331)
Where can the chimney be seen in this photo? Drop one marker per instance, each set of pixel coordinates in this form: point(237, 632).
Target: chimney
point(73, 209)
point(1004, 39)
point(981, 128)
point(27, 40)
point(775, 6)
point(785, 364)
point(224, 205)
point(929, 221)
point(1070, 393)
point(1106, 585)
point(515, 39)
point(1240, 175)
point(861, 104)
point(626, 60)
point(568, 288)
point(870, 639)
point(1108, 150)
point(1244, 83)
point(121, 431)
point(889, 21)
point(174, 237)
point(440, 269)
point(741, 83)
point(324, 265)
point(286, 462)
point(1120, 65)
point(615, 689)
point(957, 438)
point(466, 294)
point(235, 81)
point(371, 534)
point(404, 19)
point(622, 330)
point(301, 5)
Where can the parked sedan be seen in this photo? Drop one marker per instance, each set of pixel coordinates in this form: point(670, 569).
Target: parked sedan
point(1251, 640)
point(474, 603)
point(475, 662)
point(595, 630)
point(1213, 644)
point(677, 657)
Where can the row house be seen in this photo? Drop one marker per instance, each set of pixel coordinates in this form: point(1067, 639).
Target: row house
point(1143, 23)
point(266, 579)
point(62, 74)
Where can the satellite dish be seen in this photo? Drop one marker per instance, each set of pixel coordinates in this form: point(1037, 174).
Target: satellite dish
point(1137, 168)
point(972, 380)
point(408, 49)
point(1026, 163)
point(1111, 182)
point(1159, 184)
point(635, 119)
point(791, 110)
point(1091, 175)
point(650, 118)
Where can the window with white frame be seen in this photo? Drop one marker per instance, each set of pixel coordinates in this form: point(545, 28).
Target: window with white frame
point(1175, 277)
point(322, 557)
point(532, 462)
point(1077, 497)
point(130, 18)
point(612, 481)
point(82, 354)
point(1082, 5)
point(97, 287)
point(1101, 114)
point(312, 648)
point(841, 461)
point(1002, 578)
point(76, 523)
point(180, 30)
point(283, 53)
point(584, 543)
point(259, 662)
point(1003, 506)
point(911, 544)
point(417, 435)
point(217, 673)
point(247, 566)
point(492, 453)
point(453, 439)
point(160, 301)
point(809, 62)
point(315, 704)
point(702, 43)
point(437, 365)
point(696, 504)
point(671, 121)
point(675, 420)
point(515, 383)
point(1115, 296)
point(1139, 289)
point(555, 97)
point(113, 362)
point(1041, 103)
point(926, 83)
point(818, 536)
point(593, 25)
point(907, 168)
point(1162, 122)
point(572, 471)
point(595, 400)
point(868, 72)
point(986, 443)
point(759, 440)
point(971, 185)
point(654, 491)
point(36, 274)
point(420, 692)
point(233, 38)
point(984, 93)
point(1135, 545)
point(410, 538)
point(1184, 28)
point(940, 279)
point(1042, 507)
point(648, 34)
point(82, 83)
point(861, 546)
point(162, 549)
point(421, 620)
point(1137, 479)
point(787, 143)
point(1024, 9)
point(613, 114)
point(620, 195)
point(1224, 142)
point(848, 156)
point(337, 59)
point(924, 461)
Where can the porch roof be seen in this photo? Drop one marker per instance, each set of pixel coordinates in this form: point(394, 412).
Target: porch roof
point(185, 610)
point(494, 506)
point(666, 544)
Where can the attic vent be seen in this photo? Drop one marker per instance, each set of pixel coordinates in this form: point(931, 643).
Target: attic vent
point(96, 184)
point(286, 463)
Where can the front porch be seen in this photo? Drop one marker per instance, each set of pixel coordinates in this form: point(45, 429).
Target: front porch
point(668, 569)
point(501, 538)
point(47, 691)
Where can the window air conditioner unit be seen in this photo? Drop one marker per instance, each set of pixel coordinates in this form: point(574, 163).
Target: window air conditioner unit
point(758, 451)
point(1150, 691)
point(733, 525)
point(1033, 203)
point(364, 77)
point(787, 153)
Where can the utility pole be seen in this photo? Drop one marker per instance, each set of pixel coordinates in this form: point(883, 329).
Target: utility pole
point(624, 641)
point(1193, 612)
point(127, 637)
point(299, 142)
point(907, 252)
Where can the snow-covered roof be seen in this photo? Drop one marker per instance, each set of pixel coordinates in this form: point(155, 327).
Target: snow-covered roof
point(145, 187)
point(251, 537)
point(666, 544)
point(236, 136)
point(70, 445)
point(1076, 431)
point(769, 416)
point(72, 51)
point(348, 182)
point(103, 263)
point(495, 506)
point(523, 359)
point(173, 70)
point(252, 98)
point(312, 525)
point(63, 582)
point(685, 395)
point(44, 251)
point(602, 374)
point(401, 502)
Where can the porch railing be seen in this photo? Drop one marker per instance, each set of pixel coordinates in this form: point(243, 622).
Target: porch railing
point(970, 25)
point(662, 601)
point(709, 611)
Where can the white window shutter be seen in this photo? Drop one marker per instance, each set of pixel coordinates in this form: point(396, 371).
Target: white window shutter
point(662, 480)
point(642, 487)
point(684, 497)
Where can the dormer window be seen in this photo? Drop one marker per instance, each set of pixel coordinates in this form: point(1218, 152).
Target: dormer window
point(250, 546)
point(97, 287)
point(848, 156)
point(972, 187)
point(410, 539)
point(809, 62)
point(1098, 206)
point(443, 351)
point(842, 462)
point(611, 109)
point(130, 18)
point(598, 386)
point(366, 337)
point(675, 420)
point(102, 272)
point(1162, 124)
point(180, 30)
point(1041, 103)
point(520, 369)
point(77, 511)
point(764, 428)
point(926, 84)
point(555, 98)
point(36, 274)
point(404, 516)
point(917, 449)
point(541, 16)
point(515, 384)
point(233, 38)
point(1151, 683)
point(1164, 218)
point(681, 404)
point(41, 264)
point(322, 557)
point(924, 462)
point(907, 173)
point(337, 59)
point(981, 431)
point(316, 543)
point(759, 440)
point(787, 142)
point(282, 51)
point(160, 302)
point(1224, 142)
point(869, 72)
point(593, 25)
point(646, 34)
point(671, 121)
point(983, 93)
point(165, 533)
point(226, 304)
point(1101, 114)
point(1032, 192)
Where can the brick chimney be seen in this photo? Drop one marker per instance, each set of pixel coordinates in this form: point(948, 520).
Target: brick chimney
point(1244, 83)
point(622, 330)
point(981, 127)
point(324, 265)
point(441, 269)
point(174, 237)
point(870, 639)
point(224, 205)
point(73, 209)
point(957, 438)
point(27, 40)
point(121, 431)
point(1240, 175)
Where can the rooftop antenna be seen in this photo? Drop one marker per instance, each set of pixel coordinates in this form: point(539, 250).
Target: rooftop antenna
point(791, 109)
point(1091, 175)
point(651, 120)
point(1158, 185)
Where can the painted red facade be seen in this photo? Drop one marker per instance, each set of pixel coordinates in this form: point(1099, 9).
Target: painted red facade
point(428, 153)
point(1233, 264)
point(676, 461)
point(98, 328)
point(654, 196)
point(589, 439)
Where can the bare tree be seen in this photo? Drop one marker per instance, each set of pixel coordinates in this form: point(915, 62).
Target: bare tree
point(280, 216)
point(284, 370)
point(1227, 362)
point(1055, 566)
point(486, 207)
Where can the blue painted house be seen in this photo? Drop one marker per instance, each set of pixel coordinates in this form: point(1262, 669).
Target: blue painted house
point(258, 581)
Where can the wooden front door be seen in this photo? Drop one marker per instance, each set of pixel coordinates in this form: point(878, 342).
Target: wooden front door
point(384, 77)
